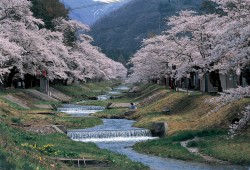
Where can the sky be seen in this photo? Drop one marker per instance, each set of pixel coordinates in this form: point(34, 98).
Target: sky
point(108, 1)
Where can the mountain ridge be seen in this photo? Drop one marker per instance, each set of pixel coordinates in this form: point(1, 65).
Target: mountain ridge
point(121, 32)
point(90, 11)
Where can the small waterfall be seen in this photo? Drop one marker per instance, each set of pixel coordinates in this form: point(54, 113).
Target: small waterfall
point(122, 87)
point(103, 97)
point(77, 110)
point(81, 108)
point(110, 135)
point(114, 92)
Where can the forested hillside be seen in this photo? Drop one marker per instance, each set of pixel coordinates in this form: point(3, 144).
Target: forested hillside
point(88, 11)
point(120, 33)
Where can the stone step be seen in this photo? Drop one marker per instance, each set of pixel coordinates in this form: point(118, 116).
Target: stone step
point(59, 95)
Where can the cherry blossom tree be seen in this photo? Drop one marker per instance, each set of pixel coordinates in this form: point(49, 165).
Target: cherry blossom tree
point(28, 49)
point(201, 43)
point(211, 42)
point(228, 97)
point(87, 61)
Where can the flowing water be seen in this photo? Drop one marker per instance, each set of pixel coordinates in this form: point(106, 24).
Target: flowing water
point(122, 88)
point(78, 110)
point(103, 97)
point(119, 136)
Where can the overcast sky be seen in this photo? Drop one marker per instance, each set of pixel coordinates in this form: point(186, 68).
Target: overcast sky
point(108, 1)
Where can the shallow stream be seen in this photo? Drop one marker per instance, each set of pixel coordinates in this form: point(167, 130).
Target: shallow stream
point(123, 145)
point(119, 136)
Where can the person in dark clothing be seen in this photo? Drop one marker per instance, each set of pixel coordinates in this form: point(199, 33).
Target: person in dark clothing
point(132, 106)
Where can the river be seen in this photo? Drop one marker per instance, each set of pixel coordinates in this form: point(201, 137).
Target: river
point(123, 145)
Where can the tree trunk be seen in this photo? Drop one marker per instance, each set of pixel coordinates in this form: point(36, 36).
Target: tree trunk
point(214, 78)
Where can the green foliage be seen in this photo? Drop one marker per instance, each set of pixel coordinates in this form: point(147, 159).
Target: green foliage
point(170, 146)
point(47, 10)
point(4, 163)
point(48, 149)
point(16, 120)
point(182, 136)
point(111, 113)
point(210, 7)
point(81, 91)
point(185, 135)
point(165, 148)
point(12, 104)
point(121, 32)
point(233, 150)
point(192, 144)
point(78, 122)
point(27, 166)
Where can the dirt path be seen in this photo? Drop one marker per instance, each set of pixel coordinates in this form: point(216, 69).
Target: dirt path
point(195, 150)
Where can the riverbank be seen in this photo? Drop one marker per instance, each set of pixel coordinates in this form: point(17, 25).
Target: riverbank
point(187, 118)
point(27, 140)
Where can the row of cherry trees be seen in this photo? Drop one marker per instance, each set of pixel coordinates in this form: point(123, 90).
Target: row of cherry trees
point(29, 49)
point(200, 43)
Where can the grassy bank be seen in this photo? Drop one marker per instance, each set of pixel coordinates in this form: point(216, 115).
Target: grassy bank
point(189, 117)
point(23, 150)
point(20, 149)
point(234, 150)
point(170, 147)
point(79, 91)
point(214, 143)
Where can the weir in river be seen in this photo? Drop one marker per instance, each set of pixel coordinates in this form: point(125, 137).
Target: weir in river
point(119, 136)
point(78, 110)
point(110, 135)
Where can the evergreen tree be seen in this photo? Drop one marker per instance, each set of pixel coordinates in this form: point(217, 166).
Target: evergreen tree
point(47, 10)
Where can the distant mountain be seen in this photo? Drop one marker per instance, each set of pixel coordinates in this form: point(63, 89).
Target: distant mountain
point(120, 32)
point(88, 11)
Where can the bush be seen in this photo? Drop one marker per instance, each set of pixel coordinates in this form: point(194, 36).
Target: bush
point(182, 136)
point(192, 144)
point(16, 120)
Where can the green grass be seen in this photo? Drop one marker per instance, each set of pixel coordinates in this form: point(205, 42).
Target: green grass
point(109, 113)
point(12, 104)
point(24, 150)
point(77, 122)
point(165, 148)
point(79, 91)
point(20, 150)
point(35, 150)
point(169, 147)
point(233, 150)
point(9, 91)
